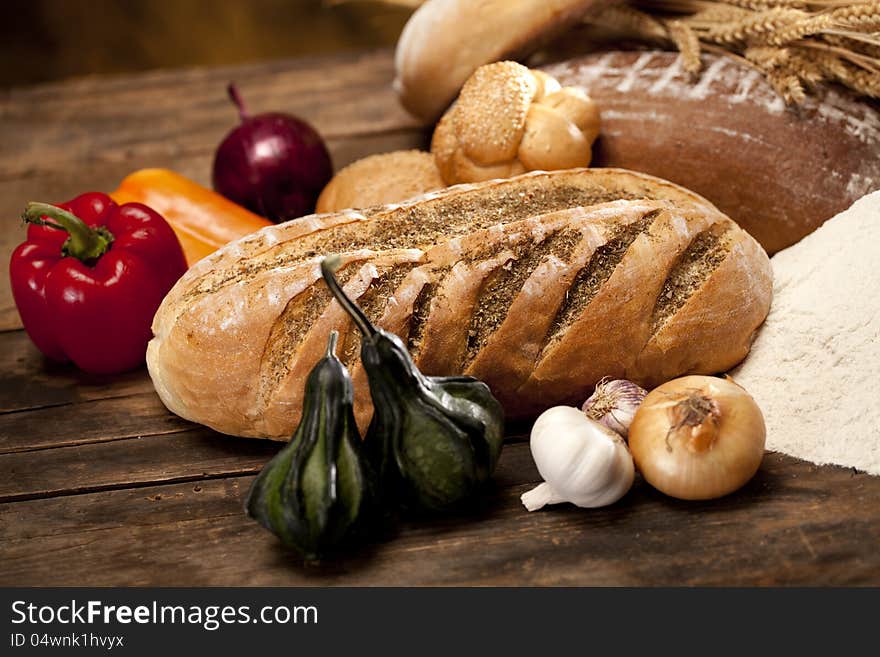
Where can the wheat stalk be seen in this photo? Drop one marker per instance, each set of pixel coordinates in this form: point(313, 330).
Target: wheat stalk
point(758, 26)
point(863, 17)
point(688, 44)
point(796, 44)
point(623, 20)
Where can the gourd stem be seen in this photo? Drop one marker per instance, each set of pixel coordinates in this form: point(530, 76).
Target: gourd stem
point(329, 265)
point(331, 344)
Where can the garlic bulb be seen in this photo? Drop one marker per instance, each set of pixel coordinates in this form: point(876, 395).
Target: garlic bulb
point(698, 437)
point(614, 404)
point(581, 461)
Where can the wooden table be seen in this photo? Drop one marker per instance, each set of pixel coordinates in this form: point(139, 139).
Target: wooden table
point(100, 485)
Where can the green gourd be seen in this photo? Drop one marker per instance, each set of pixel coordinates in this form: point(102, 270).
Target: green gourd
point(433, 441)
point(317, 492)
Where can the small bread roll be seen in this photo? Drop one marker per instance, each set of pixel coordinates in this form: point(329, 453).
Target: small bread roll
point(380, 179)
point(509, 120)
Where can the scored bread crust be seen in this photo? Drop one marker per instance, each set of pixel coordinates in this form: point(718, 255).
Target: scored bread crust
point(593, 185)
point(494, 293)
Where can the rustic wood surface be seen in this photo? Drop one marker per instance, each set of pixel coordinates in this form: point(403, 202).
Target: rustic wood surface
point(100, 485)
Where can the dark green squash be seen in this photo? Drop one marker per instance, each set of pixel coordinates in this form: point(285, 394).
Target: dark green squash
point(433, 441)
point(317, 492)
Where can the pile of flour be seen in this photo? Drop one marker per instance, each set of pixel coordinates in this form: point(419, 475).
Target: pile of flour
point(814, 368)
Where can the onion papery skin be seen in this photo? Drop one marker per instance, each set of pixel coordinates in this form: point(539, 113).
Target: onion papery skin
point(698, 462)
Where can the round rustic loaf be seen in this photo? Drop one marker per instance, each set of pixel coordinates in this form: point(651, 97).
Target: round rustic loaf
point(379, 180)
point(778, 171)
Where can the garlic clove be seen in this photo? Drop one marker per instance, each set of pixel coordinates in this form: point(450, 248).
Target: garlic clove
point(614, 404)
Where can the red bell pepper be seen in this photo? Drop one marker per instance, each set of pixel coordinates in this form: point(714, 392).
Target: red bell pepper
point(89, 278)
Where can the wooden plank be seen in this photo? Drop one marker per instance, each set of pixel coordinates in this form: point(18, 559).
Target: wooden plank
point(189, 455)
point(114, 443)
point(794, 524)
point(30, 381)
point(165, 114)
point(104, 420)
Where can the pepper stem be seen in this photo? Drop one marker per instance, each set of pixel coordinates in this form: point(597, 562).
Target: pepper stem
point(238, 101)
point(329, 265)
point(85, 243)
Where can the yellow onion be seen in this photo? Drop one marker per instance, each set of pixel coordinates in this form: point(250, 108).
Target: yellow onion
point(697, 437)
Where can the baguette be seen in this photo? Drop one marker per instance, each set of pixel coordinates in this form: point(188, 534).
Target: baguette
point(539, 285)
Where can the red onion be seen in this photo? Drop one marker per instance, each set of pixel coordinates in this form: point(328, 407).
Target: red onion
point(273, 164)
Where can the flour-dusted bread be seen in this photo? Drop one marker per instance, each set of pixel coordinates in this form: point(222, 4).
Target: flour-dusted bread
point(777, 171)
point(539, 284)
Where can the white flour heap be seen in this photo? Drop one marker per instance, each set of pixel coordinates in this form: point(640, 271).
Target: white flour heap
point(815, 367)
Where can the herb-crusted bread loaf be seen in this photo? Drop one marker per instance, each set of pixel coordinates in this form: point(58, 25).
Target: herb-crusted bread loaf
point(539, 285)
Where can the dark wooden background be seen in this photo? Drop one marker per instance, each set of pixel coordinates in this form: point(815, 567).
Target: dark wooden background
point(45, 40)
point(100, 485)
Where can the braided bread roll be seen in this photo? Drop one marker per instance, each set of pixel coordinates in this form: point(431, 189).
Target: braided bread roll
point(540, 285)
point(509, 120)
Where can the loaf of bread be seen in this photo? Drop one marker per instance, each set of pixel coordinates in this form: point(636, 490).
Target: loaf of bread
point(539, 285)
point(379, 180)
point(508, 120)
point(779, 172)
point(445, 41)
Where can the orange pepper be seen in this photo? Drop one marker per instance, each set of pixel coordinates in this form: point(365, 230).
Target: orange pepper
point(202, 219)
